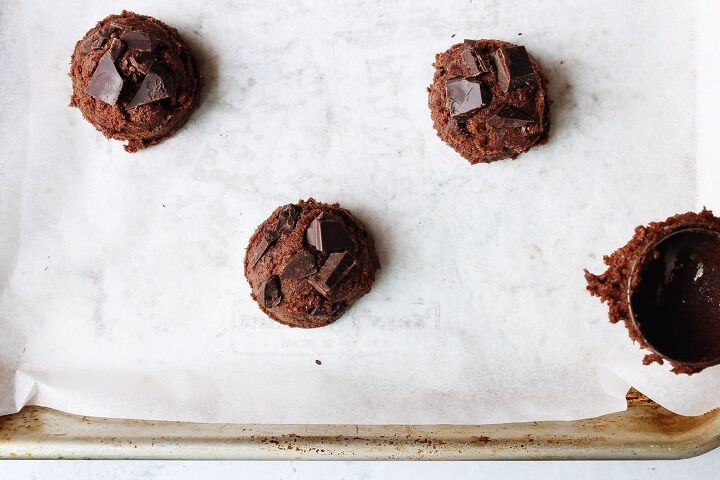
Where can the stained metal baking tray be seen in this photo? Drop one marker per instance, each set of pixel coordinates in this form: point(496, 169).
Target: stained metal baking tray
point(644, 431)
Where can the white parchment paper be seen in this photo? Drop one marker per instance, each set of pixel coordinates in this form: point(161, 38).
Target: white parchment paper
point(121, 284)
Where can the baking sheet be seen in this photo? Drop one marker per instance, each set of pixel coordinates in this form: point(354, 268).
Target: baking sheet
point(643, 431)
point(121, 286)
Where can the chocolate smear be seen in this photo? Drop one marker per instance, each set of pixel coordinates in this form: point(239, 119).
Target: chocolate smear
point(466, 97)
point(106, 83)
point(269, 293)
point(139, 41)
point(329, 235)
point(510, 117)
point(269, 238)
point(514, 67)
point(337, 266)
point(155, 86)
point(301, 265)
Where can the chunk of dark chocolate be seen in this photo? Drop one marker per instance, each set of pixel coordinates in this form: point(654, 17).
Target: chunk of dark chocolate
point(474, 61)
point(288, 218)
point(337, 266)
point(155, 86)
point(106, 83)
point(269, 294)
point(512, 138)
point(329, 234)
point(139, 41)
point(139, 66)
point(96, 40)
point(93, 42)
point(116, 49)
point(452, 125)
point(301, 265)
point(510, 117)
point(514, 67)
point(269, 238)
point(466, 97)
point(470, 60)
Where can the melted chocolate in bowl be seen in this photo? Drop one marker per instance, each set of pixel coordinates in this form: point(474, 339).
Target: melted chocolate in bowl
point(675, 296)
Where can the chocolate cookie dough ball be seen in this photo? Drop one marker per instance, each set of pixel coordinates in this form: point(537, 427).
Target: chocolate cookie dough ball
point(488, 100)
point(309, 262)
point(134, 79)
point(665, 286)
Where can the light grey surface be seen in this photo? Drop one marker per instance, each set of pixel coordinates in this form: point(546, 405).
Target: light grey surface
point(700, 468)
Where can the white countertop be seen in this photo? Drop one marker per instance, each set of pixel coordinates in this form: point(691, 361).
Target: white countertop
point(704, 467)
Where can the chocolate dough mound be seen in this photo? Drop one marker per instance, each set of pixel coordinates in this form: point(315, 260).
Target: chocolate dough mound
point(134, 79)
point(308, 262)
point(665, 286)
point(488, 100)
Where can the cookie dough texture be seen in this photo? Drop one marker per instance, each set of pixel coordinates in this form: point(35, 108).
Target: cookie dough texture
point(134, 79)
point(309, 262)
point(698, 325)
point(488, 100)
